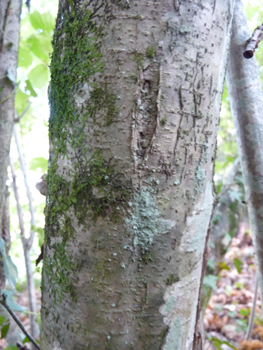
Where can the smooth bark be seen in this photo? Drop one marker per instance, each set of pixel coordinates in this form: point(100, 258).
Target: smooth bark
point(28, 263)
point(130, 181)
point(246, 102)
point(9, 40)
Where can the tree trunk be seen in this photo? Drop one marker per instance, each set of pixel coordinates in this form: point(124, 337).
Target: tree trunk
point(246, 102)
point(135, 97)
point(9, 39)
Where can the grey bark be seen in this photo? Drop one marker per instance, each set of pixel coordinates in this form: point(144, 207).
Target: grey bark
point(246, 102)
point(28, 263)
point(13, 335)
point(9, 40)
point(27, 242)
point(133, 282)
point(28, 190)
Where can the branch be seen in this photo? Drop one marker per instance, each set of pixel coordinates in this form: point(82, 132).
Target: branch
point(26, 250)
point(253, 42)
point(252, 313)
point(18, 205)
point(17, 119)
point(16, 319)
point(31, 238)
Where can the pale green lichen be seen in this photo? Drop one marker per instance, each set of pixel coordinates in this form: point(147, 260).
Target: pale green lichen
point(144, 218)
point(145, 221)
point(184, 29)
point(200, 175)
point(170, 305)
point(173, 339)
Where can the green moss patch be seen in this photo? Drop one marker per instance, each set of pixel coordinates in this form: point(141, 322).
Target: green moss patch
point(94, 187)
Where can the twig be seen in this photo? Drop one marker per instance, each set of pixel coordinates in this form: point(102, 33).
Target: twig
point(253, 42)
point(26, 250)
point(30, 240)
point(252, 313)
point(17, 119)
point(4, 303)
point(28, 5)
point(18, 206)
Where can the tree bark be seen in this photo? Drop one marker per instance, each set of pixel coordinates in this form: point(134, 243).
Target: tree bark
point(246, 102)
point(135, 97)
point(9, 39)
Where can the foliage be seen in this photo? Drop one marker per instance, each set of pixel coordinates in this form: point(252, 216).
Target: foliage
point(217, 343)
point(9, 267)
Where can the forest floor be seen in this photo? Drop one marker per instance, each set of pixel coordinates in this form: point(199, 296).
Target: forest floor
point(227, 314)
point(226, 317)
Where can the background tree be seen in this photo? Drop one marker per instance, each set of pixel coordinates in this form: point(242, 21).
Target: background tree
point(135, 96)
point(9, 40)
point(246, 100)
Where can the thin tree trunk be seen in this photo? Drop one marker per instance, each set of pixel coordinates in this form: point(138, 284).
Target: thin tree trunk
point(9, 39)
point(9, 42)
point(246, 102)
point(28, 264)
point(28, 243)
point(135, 97)
point(27, 186)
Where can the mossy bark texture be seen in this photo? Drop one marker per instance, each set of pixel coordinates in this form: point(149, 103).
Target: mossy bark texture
point(135, 96)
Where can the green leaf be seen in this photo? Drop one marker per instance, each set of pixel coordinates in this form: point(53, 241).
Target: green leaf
point(210, 281)
point(21, 100)
point(9, 299)
point(29, 88)
point(210, 264)
point(11, 347)
point(39, 162)
point(217, 343)
point(26, 340)
point(238, 264)
point(244, 312)
point(2, 319)
point(4, 330)
point(10, 268)
point(11, 272)
point(25, 58)
point(40, 45)
point(223, 266)
point(235, 195)
point(44, 21)
point(39, 76)
point(41, 235)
